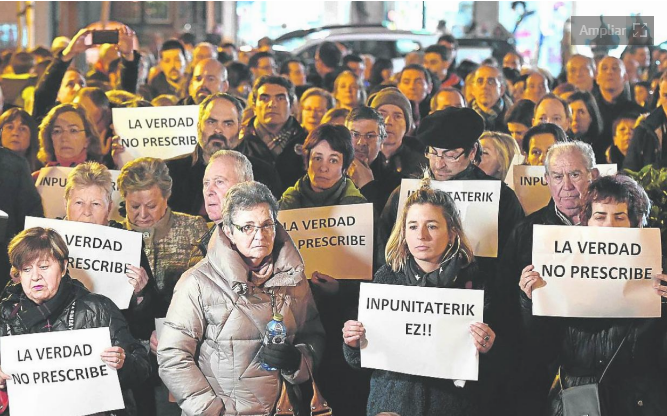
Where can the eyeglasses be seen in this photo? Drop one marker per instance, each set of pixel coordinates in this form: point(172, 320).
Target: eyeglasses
point(60, 132)
point(250, 229)
point(368, 136)
point(432, 152)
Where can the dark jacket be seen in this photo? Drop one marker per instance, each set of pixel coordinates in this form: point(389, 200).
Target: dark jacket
point(19, 199)
point(635, 383)
point(187, 173)
point(90, 311)
point(609, 113)
point(423, 396)
point(407, 162)
point(159, 86)
point(645, 146)
point(289, 163)
point(496, 123)
point(529, 389)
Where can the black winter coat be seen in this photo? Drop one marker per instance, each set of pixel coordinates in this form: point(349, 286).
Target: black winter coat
point(425, 396)
point(645, 148)
point(636, 382)
point(91, 311)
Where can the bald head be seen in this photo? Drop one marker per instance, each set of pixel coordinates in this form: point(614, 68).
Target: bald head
point(581, 72)
point(611, 77)
point(208, 77)
point(204, 50)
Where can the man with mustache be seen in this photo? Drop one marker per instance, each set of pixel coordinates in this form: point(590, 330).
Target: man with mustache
point(218, 127)
point(209, 77)
point(172, 67)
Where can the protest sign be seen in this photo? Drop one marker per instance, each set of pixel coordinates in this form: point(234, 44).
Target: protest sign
point(607, 169)
point(159, 325)
point(60, 373)
point(335, 240)
point(596, 272)
point(51, 184)
point(531, 187)
point(98, 255)
point(162, 132)
point(433, 324)
point(477, 202)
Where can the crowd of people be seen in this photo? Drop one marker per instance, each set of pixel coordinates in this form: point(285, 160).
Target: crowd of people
point(274, 134)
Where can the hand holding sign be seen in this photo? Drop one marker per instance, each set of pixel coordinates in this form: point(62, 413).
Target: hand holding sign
point(660, 284)
point(353, 332)
point(114, 357)
point(138, 278)
point(483, 336)
point(3, 378)
point(530, 280)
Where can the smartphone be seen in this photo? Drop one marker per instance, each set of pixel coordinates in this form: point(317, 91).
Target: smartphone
point(104, 36)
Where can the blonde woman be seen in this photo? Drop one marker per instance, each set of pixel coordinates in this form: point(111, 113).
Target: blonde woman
point(498, 152)
point(427, 248)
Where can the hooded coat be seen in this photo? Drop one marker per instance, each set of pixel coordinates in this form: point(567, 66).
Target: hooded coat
point(209, 349)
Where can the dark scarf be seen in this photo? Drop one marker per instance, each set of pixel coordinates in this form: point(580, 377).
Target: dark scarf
point(40, 318)
point(494, 112)
point(444, 276)
point(324, 198)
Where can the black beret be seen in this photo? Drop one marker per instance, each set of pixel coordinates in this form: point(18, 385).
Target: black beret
point(451, 128)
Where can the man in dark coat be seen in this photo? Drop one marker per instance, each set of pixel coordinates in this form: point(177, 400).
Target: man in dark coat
point(569, 170)
point(273, 135)
point(19, 199)
point(218, 126)
point(613, 99)
point(646, 145)
point(488, 91)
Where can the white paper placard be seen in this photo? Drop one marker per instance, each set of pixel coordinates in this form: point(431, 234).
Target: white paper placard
point(335, 240)
point(60, 373)
point(159, 325)
point(596, 272)
point(162, 132)
point(531, 187)
point(478, 204)
point(607, 169)
point(432, 324)
point(51, 184)
point(98, 255)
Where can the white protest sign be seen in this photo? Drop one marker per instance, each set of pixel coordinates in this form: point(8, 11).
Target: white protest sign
point(433, 324)
point(596, 272)
point(60, 373)
point(531, 187)
point(98, 255)
point(51, 184)
point(607, 169)
point(477, 202)
point(162, 132)
point(335, 240)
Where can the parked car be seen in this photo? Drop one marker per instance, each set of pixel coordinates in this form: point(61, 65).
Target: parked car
point(372, 39)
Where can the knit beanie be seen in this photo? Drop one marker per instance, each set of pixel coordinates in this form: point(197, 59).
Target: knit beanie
point(392, 95)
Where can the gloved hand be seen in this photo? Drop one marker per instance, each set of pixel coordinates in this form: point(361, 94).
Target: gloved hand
point(285, 357)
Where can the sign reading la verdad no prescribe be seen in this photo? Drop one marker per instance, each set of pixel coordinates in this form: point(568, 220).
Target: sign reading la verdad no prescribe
point(162, 132)
point(60, 373)
point(596, 272)
point(98, 256)
point(335, 240)
point(432, 324)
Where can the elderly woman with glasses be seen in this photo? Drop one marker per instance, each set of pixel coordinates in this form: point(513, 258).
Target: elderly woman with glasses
point(42, 297)
point(635, 383)
point(211, 348)
point(67, 137)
